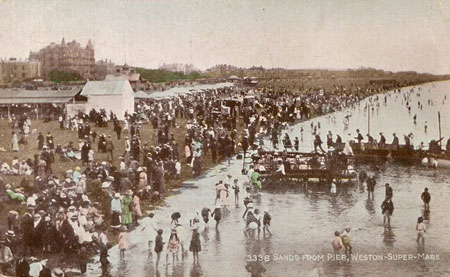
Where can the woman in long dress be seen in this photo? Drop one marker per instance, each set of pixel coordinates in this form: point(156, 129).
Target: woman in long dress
point(127, 216)
point(136, 208)
point(15, 142)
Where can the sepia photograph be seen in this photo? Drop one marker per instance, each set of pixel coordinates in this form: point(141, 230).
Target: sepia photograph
point(224, 138)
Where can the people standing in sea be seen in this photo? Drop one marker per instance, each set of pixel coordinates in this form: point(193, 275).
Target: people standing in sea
point(172, 247)
point(388, 191)
point(159, 245)
point(247, 200)
point(181, 237)
point(266, 222)
point(337, 243)
point(123, 241)
point(152, 232)
point(346, 241)
point(236, 190)
point(217, 214)
point(420, 229)
point(426, 198)
point(205, 215)
point(387, 208)
point(195, 245)
point(371, 182)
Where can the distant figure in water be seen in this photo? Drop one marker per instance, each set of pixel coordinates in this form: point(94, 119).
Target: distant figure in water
point(415, 119)
point(387, 208)
point(426, 198)
point(426, 127)
point(420, 229)
point(333, 188)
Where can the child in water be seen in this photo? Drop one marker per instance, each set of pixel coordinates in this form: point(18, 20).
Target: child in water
point(217, 214)
point(337, 242)
point(123, 241)
point(421, 229)
point(346, 240)
point(159, 244)
point(266, 222)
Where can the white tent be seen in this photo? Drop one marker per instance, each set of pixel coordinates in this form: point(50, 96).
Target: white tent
point(114, 95)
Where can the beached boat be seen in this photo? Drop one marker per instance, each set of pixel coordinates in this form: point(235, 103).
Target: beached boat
point(376, 152)
point(294, 168)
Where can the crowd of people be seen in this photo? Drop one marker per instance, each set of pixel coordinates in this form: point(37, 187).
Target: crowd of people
point(69, 213)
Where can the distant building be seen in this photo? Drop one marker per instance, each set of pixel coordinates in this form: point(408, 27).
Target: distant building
point(14, 71)
point(103, 68)
point(178, 67)
point(68, 57)
point(128, 73)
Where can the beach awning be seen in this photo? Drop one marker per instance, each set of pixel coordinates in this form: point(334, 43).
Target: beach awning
point(21, 96)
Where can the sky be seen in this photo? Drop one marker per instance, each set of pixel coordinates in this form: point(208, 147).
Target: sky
point(395, 35)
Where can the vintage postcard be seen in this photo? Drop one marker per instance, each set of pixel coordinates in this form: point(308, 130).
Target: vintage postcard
point(224, 138)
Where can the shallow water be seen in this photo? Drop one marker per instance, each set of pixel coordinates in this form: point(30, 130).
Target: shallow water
point(304, 219)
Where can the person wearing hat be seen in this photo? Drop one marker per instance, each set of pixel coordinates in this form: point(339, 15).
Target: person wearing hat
point(116, 211)
point(127, 216)
point(6, 258)
point(172, 246)
point(143, 181)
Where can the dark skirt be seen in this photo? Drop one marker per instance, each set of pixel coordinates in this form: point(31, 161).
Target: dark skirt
point(115, 219)
point(195, 245)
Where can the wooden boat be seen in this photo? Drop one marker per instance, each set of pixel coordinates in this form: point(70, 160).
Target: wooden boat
point(373, 152)
point(302, 167)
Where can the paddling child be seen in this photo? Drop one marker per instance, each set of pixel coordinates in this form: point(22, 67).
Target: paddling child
point(152, 231)
point(123, 241)
point(236, 192)
point(426, 198)
point(247, 200)
point(173, 246)
point(195, 245)
point(205, 215)
point(337, 243)
point(266, 222)
point(217, 214)
point(387, 208)
point(346, 240)
point(421, 229)
point(159, 245)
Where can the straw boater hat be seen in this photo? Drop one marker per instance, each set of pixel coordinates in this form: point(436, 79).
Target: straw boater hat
point(10, 233)
point(117, 195)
